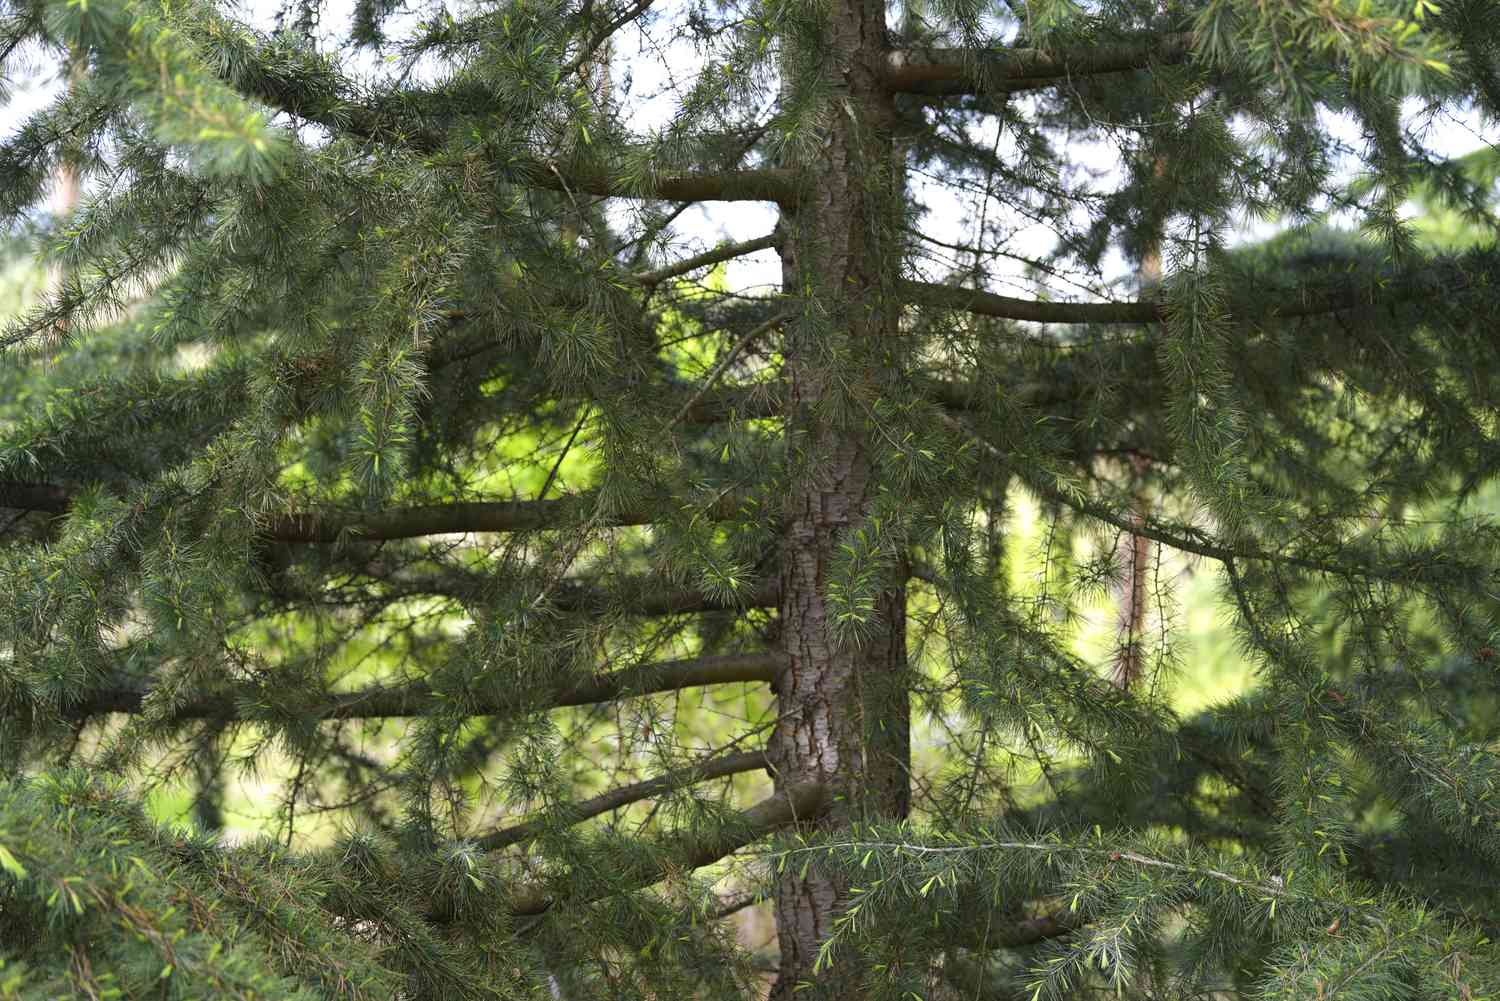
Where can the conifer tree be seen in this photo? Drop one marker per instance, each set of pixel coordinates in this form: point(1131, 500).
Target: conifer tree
point(386, 445)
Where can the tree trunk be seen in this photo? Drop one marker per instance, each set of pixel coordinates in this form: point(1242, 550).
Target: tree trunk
point(1136, 550)
point(843, 710)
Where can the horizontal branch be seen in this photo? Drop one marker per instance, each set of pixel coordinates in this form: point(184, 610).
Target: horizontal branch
point(642, 598)
point(1250, 303)
point(968, 71)
point(767, 400)
point(761, 401)
point(645, 594)
point(770, 184)
point(806, 801)
point(614, 799)
point(322, 527)
point(428, 519)
point(1031, 310)
point(418, 699)
point(470, 516)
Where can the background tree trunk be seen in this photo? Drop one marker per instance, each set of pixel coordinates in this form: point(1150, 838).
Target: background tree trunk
point(1136, 550)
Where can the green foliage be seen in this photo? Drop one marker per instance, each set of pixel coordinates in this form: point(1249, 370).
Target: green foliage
point(97, 901)
point(505, 597)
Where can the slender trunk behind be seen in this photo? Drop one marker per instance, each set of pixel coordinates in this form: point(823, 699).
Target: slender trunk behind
point(1136, 550)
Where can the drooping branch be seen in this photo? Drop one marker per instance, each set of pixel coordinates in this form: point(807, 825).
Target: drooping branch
point(1004, 930)
point(646, 595)
point(702, 771)
point(604, 34)
point(418, 698)
point(959, 71)
point(801, 802)
point(651, 279)
point(971, 979)
point(1183, 538)
point(759, 402)
point(314, 91)
point(332, 107)
point(34, 497)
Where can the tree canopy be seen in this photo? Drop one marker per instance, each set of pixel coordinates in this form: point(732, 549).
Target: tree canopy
point(390, 450)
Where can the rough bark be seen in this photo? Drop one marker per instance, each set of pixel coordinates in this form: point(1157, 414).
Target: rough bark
point(843, 710)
